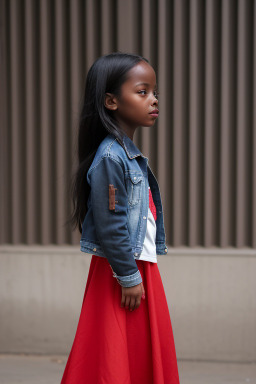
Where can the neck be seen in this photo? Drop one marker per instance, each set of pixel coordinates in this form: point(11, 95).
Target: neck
point(129, 131)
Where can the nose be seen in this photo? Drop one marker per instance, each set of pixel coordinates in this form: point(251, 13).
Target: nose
point(154, 101)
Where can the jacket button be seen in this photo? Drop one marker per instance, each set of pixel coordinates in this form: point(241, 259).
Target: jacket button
point(144, 217)
point(165, 250)
point(135, 254)
point(134, 178)
point(94, 249)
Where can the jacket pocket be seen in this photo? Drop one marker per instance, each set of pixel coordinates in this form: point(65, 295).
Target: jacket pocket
point(134, 186)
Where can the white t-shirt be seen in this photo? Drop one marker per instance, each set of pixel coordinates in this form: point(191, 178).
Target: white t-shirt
point(149, 246)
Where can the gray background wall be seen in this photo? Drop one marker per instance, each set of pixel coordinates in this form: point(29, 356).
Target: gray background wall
point(203, 147)
point(202, 151)
point(210, 293)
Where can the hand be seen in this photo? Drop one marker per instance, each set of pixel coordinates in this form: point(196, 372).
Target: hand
point(131, 296)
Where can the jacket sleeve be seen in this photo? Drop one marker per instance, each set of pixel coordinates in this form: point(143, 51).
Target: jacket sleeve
point(110, 218)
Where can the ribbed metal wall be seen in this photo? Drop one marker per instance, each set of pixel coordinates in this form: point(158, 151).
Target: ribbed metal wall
point(203, 148)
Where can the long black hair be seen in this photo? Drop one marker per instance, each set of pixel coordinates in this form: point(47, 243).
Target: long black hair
point(106, 75)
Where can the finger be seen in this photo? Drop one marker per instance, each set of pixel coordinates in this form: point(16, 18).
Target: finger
point(143, 291)
point(127, 301)
point(132, 303)
point(123, 300)
point(137, 302)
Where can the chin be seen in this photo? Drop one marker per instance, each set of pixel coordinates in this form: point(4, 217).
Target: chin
point(149, 124)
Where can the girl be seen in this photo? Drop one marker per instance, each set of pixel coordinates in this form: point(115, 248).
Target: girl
point(124, 334)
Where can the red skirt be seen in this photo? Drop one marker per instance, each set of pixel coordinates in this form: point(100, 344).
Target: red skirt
point(113, 345)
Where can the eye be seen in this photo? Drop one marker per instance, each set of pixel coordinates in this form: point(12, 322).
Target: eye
point(156, 94)
point(142, 92)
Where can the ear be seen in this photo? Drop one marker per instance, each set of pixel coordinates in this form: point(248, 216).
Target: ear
point(110, 102)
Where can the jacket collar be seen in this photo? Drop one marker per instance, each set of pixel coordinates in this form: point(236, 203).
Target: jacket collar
point(130, 148)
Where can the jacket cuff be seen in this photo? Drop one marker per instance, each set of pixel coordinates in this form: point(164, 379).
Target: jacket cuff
point(129, 281)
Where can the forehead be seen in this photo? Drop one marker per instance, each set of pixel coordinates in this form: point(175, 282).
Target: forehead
point(141, 73)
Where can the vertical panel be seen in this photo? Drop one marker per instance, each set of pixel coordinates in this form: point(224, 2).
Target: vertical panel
point(61, 119)
point(108, 30)
point(92, 31)
point(128, 39)
point(164, 69)
point(243, 208)
point(149, 50)
point(31, 121)
point(180, 123)
point(77, 71)
point(47, 94)
point(128, 35)
point(212, 124)
point(146, 52)
point(254, 135)
point(196, 114)
point(18, 148)
point(162, 84)
point(228, 123)
point(5, 224)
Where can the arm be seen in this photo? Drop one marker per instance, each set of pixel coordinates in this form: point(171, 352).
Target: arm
point(111, 224)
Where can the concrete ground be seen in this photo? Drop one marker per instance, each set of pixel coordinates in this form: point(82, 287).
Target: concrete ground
point(31, 369)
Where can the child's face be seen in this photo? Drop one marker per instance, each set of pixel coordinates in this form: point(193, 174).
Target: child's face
point(137, 104)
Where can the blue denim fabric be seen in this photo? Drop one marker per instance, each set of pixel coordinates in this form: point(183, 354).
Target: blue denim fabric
point(119, 234)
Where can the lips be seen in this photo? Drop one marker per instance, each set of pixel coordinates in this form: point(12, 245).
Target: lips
point(155, 113)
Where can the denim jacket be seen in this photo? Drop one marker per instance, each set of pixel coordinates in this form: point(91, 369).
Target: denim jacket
point(116, 221)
